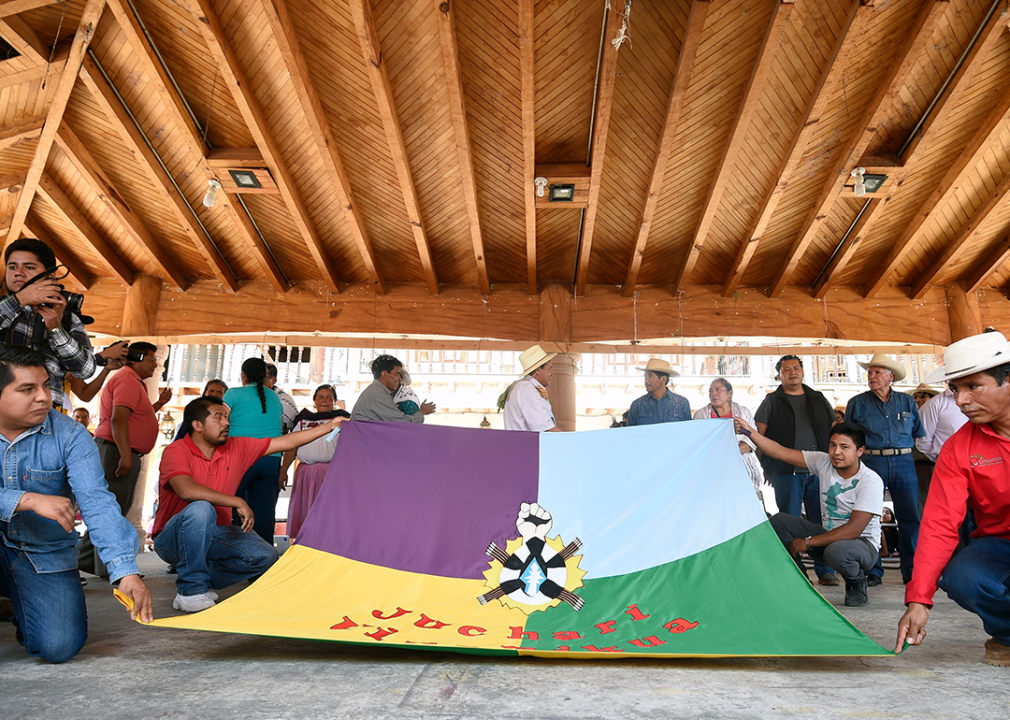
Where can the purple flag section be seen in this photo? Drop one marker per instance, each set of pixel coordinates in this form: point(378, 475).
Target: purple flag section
point(423, 499)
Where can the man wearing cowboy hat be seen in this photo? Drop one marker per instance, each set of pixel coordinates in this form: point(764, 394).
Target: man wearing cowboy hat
point(922, 394)
point(527, 406)
point(891, 423)
point(941, 418)
point(972, 470)
point(659, 404)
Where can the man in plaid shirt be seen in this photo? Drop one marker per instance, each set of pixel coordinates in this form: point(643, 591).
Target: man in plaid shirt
point(60, 337)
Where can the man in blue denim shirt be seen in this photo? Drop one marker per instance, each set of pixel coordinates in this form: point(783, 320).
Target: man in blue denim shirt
point(659, 404)
point(48, 459)
point(891, 423)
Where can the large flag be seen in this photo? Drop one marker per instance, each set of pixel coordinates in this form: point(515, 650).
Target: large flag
point(631, 542)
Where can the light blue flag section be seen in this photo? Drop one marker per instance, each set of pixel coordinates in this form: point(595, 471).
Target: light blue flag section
point(640, 497)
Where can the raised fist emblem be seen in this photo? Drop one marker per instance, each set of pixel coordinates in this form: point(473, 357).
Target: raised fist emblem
point(533, 521)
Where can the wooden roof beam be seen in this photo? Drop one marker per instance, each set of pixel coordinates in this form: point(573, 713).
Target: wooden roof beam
point(12, 180)
point(105, 96)
point(601, 128)
point(892, 166)
point(66, 209)
point(31, 75)
point(375, 65)
point(981, 142)
point(799, 144)
point(528, 92)
point(457, 110)
point(983, 270)
point(277, 17)
point(79, 274)
point(759, 76)
point(674, 109)
point(86, 165)
point(21, 131)
point(23, 39)
point(15, 7)
point(61, 96)
point(241, 90)
point(856, 147)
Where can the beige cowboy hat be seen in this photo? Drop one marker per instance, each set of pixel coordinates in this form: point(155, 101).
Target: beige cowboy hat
point(659, 366)
point(924, 388)
point(971, 355)
point(532, 358)
point(881, 360)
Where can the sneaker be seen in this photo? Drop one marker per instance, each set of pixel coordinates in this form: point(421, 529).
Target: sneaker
point(873, 580)
point(829, 579)
point(996, 653)
point(171, 569)
point(213, 595)
point(193, 603)
point(855, 592)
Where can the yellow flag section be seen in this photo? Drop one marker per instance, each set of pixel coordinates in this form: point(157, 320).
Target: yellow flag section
point(315, 595)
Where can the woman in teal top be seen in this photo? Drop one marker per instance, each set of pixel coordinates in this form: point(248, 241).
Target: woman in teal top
point(256, 412)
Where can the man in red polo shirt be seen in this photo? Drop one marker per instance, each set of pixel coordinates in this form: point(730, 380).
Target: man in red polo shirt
point(972, 470)
point(127, 430)
point(199, 476)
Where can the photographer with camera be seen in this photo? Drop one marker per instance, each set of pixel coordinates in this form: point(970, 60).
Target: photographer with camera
point(34, 313)
point(127, 430)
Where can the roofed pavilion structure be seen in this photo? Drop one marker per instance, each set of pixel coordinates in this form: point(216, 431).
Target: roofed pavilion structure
point(378, 164)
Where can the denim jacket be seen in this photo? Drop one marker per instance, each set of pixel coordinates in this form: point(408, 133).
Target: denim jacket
point(647, 410)
point(59, 457)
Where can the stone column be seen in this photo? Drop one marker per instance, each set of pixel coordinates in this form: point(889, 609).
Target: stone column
point(555, 335)
point(562, 390)
point(963, 312)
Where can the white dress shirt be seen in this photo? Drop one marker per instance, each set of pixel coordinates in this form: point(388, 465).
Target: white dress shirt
point(527, 409)
point(941, 418)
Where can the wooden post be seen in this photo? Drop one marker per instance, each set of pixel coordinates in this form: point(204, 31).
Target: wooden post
point(555, 335)
point(963, 312)
point(141, 307)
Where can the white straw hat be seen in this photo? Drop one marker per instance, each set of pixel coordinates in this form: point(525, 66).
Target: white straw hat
point(971, 355)
point(533, 358)
point(881, 360)
point(659, 366)
point(924, 388)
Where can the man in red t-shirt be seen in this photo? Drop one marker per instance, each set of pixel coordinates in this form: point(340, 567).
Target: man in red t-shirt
point(196, 495)
point(127, 430)
point(973, 470)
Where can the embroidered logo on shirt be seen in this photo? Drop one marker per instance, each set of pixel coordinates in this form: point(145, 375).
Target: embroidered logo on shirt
point(977, 460)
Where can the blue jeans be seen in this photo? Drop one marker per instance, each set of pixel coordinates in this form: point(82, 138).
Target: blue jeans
point(48, 607)
point(898, 474)
point(207, 555)
point(792, 493)
point(260, 488)
point(978, 579)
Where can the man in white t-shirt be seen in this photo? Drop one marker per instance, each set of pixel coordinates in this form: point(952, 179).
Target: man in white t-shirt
point(852, 500)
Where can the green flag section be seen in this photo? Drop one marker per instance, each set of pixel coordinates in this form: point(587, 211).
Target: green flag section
point(742, 597)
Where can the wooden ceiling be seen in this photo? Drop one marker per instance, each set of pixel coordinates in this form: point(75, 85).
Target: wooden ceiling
point(712, 152)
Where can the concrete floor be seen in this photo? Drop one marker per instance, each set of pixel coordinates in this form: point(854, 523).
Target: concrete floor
point(128, 671)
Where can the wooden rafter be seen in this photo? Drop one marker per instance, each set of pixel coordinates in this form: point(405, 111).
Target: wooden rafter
point(105, 96)
point(191, 137)
point(375, 65)
point(23, 39)
point(21, 131)
point(86, 165)
point(457, 110)
point(681, 81)
point(12, 180)
point(14, 7)
point(601, 128)
point(996, 259)
point(856, 147)
point(799, 144)
point(981, 142)
point(70, 213)
point(61, 96)
point(277, 16)
point(727, 163)
point(30, 75)
point(890, 166)
point(78, 272)
point(241, 90)
point(528, 100)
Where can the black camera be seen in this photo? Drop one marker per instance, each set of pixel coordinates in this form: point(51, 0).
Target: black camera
point(75, 301)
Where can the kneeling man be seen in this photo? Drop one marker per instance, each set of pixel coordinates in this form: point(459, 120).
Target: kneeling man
point(193, 527)
point(48, 461)
point(972, 471)
point(852, 501)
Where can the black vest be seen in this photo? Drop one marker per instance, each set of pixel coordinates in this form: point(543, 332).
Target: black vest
point(782, 425)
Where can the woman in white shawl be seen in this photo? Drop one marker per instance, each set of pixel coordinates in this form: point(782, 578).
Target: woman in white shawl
point(721, 405)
